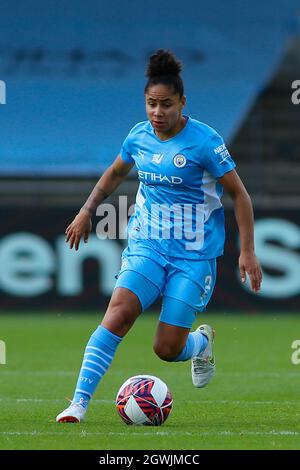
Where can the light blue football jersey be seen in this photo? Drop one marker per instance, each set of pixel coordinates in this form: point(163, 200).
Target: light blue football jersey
point(178, 210)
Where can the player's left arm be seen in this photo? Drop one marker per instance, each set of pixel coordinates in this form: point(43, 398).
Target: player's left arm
point(248, 262)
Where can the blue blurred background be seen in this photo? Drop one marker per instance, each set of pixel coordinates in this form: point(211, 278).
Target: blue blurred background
point(74, 76)
point(75, 72)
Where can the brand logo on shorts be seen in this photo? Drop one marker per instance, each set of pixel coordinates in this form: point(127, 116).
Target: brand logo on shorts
point(179, 161)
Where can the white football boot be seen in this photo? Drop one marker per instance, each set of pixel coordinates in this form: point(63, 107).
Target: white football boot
point(73, 414)
point(203, 365)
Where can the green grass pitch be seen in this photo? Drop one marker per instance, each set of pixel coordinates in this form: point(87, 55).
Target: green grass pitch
point(252, 403)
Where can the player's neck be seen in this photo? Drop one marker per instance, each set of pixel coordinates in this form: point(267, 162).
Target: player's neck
point(181, 123)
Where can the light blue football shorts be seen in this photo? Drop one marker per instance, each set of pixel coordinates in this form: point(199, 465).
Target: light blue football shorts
point(186, 285)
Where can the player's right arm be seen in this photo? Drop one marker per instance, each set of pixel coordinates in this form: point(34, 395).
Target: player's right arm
point(81, 226)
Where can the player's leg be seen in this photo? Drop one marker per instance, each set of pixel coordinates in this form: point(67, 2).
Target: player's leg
point(173, 341)
point(123, 309)
point(133, 293)
point(188, 289)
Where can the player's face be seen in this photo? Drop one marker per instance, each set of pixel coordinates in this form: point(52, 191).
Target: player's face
point(164, 109)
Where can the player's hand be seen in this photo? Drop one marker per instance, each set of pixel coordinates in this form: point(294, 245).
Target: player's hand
point(80, 227)
point(248, 263)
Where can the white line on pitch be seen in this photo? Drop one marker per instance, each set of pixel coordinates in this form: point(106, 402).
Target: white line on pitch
point(157, 433)
point(46, 400)
point(205, 402)
point(246, 374)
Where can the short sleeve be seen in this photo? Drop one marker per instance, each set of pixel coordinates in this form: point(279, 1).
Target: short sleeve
point(216, 158)
point(125, 152)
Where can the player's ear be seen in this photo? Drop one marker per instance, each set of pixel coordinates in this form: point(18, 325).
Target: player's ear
point(183, 100)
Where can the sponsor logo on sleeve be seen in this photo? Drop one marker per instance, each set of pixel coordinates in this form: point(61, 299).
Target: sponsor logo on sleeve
point(222, 152)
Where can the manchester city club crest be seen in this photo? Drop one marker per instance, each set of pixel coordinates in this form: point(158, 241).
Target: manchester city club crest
point(179, 160)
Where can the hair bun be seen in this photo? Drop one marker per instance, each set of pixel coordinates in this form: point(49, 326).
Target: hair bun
point(163, 62)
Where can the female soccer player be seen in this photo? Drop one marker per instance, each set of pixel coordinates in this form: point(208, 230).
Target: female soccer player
point(174, 236)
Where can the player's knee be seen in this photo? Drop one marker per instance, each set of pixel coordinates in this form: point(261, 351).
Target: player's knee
point(119, 317)
point(122, 314)
point(165, 351)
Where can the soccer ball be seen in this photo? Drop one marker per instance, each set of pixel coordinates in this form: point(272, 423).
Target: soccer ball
point(144, 399)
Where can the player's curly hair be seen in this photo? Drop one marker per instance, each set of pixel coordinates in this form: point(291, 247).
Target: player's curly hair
point(163, 67)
